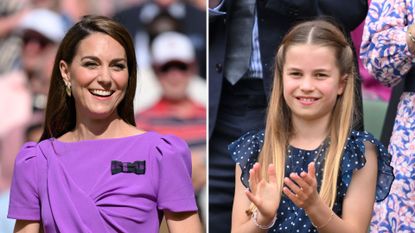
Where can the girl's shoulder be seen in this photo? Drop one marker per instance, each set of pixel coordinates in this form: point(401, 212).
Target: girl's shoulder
point(245, 150)
point(356, 142)
point(363, 136)
point(354, 159)
point(247, 146)
point(356, 145)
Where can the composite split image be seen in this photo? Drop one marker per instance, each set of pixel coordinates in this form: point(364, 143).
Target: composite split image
point(197, 116)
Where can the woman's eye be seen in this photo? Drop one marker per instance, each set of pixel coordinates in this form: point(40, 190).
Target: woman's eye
point(90, 64)
point(119, 66)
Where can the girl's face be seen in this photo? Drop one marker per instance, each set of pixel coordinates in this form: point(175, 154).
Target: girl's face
point(98, 76)
point(311, 81)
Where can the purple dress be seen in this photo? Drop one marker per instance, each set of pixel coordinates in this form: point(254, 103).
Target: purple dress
point(74, 186)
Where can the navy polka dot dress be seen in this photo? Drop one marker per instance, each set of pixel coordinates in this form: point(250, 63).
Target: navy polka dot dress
point(245, 151)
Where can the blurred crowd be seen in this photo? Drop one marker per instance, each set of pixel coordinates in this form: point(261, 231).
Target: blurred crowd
point(170, 42)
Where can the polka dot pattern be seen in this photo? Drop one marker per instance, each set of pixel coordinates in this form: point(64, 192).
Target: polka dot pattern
point(245, 151)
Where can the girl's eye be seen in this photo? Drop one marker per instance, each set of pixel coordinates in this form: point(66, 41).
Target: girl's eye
point(321, 75)
point(295, 74)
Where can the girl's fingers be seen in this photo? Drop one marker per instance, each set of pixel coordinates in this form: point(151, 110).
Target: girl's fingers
point(252, 176)
point(310, 177)
point(252, 198)
point(257, 169)
point(299, 180)
point(311, 181)
point(293, 187)
point(271, 174)
point(290, 195)
point(252, 181)
point(312, 170)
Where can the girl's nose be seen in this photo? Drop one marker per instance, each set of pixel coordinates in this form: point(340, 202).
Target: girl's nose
point(307, 84)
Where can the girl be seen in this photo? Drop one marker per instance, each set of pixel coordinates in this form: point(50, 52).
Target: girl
point(312, 169)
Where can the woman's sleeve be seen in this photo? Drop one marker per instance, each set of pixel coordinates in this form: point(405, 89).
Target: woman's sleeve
point(354, 159)
point(173, 175)
point(245, 150)
point(24, 195)
point(384, 50)
point(217, 12)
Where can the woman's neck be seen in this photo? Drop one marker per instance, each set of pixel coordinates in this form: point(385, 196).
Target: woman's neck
point(100, 129)
point(309, 134)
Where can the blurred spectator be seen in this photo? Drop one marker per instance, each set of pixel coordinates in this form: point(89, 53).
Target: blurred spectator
point(23, 91)
point(191, 22)
point(75, 9)
point(174, 63)
point(11, 13)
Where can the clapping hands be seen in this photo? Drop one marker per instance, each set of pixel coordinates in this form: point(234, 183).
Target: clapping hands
point(265, 195)
point(302, 189)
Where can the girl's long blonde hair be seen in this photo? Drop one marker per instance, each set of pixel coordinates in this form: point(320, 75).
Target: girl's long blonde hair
point(279, 125)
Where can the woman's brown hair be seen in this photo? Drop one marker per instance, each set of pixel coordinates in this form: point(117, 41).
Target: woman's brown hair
point(60, 116)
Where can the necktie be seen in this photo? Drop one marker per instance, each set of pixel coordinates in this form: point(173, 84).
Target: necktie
point(239, 44)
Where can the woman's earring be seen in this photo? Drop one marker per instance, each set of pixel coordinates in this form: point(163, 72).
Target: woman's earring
point(68, 90)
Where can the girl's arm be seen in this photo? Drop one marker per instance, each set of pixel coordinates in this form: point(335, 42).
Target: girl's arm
point(184, 222)
point(265, 196)
point(357, 205)
point(24, 226)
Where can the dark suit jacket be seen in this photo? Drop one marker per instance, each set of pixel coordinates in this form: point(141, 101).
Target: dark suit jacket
point(275, 18)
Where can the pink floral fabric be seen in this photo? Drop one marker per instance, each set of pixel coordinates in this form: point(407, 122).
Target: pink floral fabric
point(385, 54)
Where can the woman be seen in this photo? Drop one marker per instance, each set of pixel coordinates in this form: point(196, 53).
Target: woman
point(92, 170)
point(388, 52)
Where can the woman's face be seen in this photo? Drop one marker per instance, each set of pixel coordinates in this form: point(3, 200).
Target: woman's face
point(312, 81)
point(98, 76)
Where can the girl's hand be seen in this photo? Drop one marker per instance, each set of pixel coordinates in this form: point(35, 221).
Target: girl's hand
point(264, 194)
point(302, 189)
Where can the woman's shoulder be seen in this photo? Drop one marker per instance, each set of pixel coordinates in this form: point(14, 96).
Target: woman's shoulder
point(166, 140)
point(164, 143)
point(29, 159)
point(33, 151)
point(167, 145)
point(28, 152)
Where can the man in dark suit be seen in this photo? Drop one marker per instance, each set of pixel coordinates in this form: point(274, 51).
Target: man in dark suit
point(238, 104)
